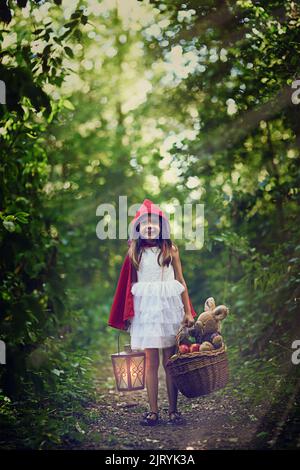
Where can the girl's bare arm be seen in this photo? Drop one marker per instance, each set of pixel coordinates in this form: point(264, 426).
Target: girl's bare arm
point(188, 318)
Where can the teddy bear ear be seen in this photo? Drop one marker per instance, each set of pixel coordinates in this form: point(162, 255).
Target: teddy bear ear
point(220, 312)
point(209, 304)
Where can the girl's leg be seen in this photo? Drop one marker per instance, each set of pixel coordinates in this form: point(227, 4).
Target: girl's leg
point(152, 365)
point(171, 387)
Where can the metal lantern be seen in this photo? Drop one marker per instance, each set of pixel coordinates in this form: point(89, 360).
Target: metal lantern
point(129, 369)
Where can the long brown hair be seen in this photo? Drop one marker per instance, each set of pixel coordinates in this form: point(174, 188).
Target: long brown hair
point(137, 247)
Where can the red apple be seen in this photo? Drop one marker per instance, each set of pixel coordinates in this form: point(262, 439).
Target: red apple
point(183, 348)
point(194, 347)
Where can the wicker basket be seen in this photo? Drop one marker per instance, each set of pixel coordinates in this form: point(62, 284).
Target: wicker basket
point(199, 373)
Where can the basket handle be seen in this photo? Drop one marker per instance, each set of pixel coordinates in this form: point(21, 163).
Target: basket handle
point(177, 337)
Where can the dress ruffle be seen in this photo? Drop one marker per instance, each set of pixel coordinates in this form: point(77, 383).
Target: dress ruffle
point(162, 288)
point(158, 306)
point(158, 312)
point(157, 309)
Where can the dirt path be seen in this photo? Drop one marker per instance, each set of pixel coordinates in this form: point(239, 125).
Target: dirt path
point(217, 421)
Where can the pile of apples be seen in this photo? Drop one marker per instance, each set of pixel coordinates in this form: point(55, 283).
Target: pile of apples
point(185, 348)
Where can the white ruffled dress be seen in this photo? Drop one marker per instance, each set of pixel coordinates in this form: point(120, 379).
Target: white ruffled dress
point(158, 306)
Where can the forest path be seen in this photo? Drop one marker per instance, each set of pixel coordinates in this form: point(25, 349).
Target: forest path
point(216, 421)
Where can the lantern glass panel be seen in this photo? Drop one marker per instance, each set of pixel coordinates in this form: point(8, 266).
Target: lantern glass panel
point(129, 370)
point(137, 371)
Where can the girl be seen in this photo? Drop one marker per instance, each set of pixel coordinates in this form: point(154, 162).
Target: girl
point(153, 299)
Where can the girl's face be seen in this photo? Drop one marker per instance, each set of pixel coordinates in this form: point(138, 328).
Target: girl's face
point(149, 227)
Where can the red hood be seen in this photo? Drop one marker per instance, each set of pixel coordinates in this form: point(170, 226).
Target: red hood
point(148, 207)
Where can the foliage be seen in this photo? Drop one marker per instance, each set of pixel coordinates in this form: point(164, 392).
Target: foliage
point(181, 102)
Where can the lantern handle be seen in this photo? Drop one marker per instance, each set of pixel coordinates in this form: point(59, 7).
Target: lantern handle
point(119, 342)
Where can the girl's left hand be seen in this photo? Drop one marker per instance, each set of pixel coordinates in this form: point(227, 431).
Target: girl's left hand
point(188, 320)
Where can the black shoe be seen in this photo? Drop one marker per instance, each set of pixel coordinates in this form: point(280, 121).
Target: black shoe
point(148, 420)
point(176, 419)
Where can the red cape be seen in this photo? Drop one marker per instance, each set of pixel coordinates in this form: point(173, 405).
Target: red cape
point(122, 307)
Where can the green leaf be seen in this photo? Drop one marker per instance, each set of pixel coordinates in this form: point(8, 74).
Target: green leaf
point(57, 372)
point(69, 51)
point(9, 225)
point(22, 217)
point(67, 104)
point(262, 434)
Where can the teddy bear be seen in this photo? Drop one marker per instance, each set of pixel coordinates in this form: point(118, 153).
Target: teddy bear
point(207, 329)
